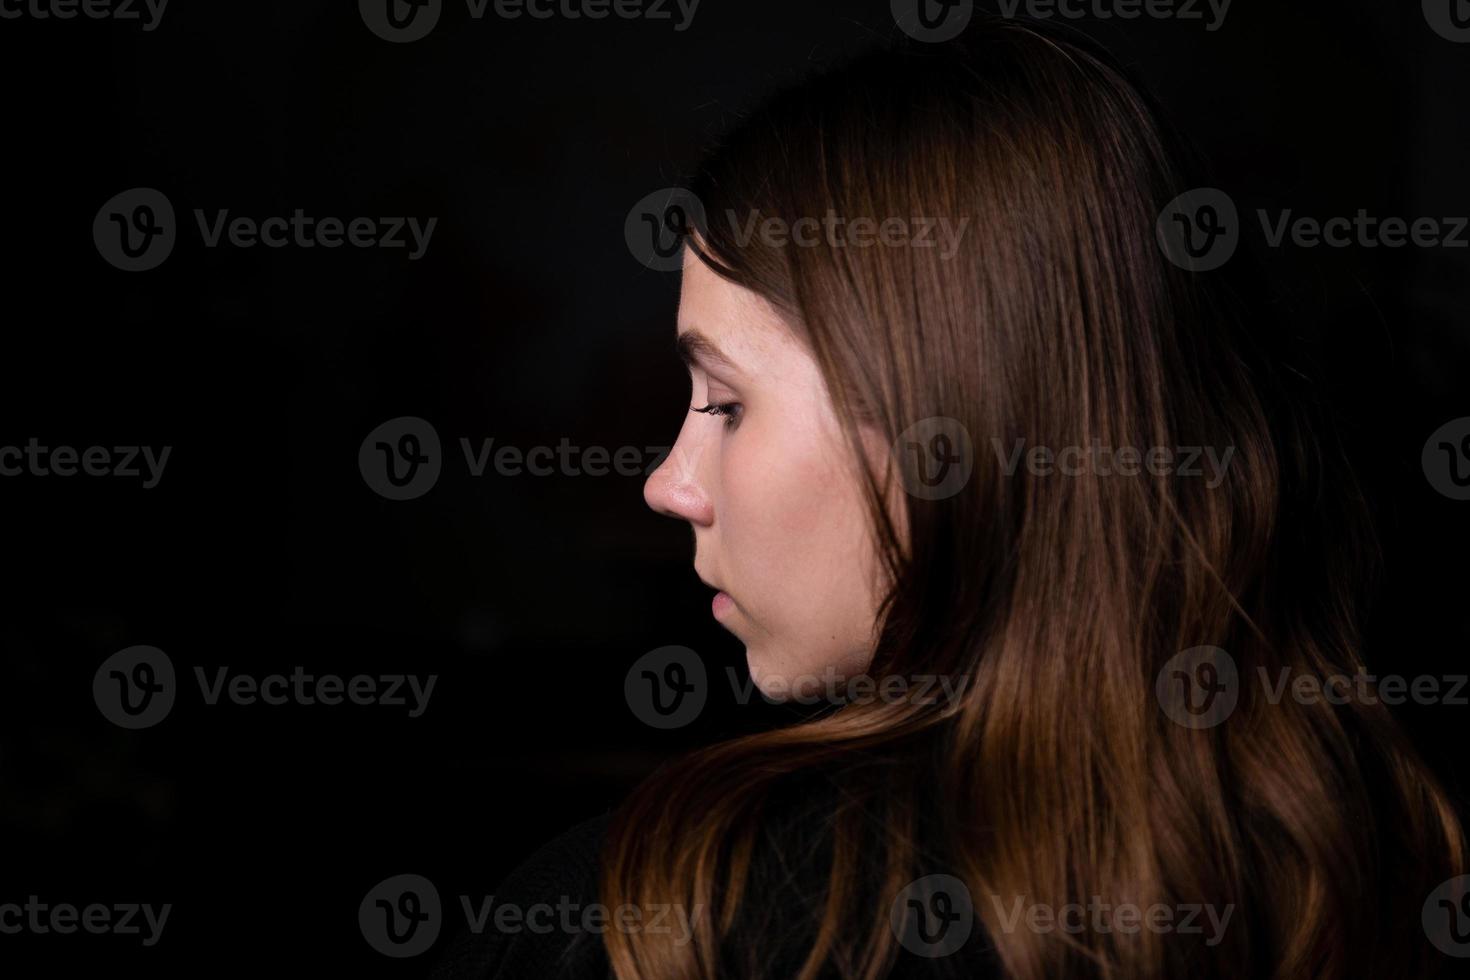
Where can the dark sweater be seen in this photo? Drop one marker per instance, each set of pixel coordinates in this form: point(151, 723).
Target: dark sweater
point(781, 910)
point(565, 870)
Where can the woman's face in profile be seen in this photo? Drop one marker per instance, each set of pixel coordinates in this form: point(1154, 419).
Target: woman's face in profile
point(766, 480)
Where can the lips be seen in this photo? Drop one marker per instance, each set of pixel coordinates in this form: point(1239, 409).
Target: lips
point(721, 601)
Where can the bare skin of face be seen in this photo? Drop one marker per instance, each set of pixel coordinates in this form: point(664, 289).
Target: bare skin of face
point(767, 482)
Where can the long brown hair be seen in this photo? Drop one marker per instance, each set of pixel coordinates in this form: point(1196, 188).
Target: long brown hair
point(1057, 775)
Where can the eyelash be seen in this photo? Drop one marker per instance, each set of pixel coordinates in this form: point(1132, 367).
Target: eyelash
point(730, 410)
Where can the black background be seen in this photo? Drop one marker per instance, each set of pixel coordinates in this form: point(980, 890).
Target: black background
point(527, 321)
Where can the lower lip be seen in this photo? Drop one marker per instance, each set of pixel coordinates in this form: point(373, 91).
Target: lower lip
point(721, 603)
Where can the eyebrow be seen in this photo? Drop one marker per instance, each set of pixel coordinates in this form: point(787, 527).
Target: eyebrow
point(695, 349)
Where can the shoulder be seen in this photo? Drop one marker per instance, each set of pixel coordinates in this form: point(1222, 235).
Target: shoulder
point(933, 915)
point(535, 924)
point(550, 903)
point(566, 865)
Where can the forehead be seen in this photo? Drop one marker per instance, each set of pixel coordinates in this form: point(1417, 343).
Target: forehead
point(738, 321)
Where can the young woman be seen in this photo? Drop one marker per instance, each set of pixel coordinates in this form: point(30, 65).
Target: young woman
point(1050, 461)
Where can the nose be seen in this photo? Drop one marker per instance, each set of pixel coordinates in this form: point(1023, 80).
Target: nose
point(677, 487)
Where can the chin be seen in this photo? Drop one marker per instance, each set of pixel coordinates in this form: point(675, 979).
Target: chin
point(778, 680)
point(773, 683)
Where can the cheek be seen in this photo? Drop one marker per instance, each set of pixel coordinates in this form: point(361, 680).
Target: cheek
point(794, 528)
point(771, 476)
